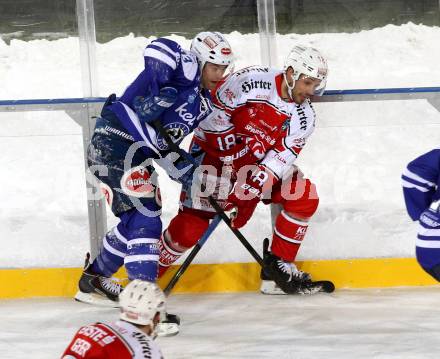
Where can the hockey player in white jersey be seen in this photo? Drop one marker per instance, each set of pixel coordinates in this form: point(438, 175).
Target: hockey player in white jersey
point(260, 123)
point(132, 337)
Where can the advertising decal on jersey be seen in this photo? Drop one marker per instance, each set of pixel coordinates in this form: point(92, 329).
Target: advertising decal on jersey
point(136, 182)
point(248, 86)
point(302, 117)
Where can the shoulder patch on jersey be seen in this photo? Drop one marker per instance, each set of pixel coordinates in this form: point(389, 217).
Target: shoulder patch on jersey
point(176, 130)
point(190, 66)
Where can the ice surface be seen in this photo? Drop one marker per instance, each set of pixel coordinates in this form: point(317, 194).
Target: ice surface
point(386, 323)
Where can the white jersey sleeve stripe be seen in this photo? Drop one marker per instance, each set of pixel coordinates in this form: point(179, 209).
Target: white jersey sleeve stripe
point(142, 241)
point(417, 178)
point(428, 232)
point(141, 257)
point(427, 244)
point(135, 120)
point(155, 54)
point(109, 248)
point(119, 235)
point(407, 184)
point(166, 48)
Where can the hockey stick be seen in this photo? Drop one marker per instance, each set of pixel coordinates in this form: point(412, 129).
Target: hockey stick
point(309, 288)
point(212, 226)
point(158, 125)
point(237, 233)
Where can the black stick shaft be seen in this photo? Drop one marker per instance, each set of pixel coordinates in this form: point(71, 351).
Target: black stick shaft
point(171, 284)
point(237, 233)
point(173, 281)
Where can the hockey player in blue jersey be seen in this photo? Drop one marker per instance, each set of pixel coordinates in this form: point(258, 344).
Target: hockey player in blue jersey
point(174, 89)
point(421, 181)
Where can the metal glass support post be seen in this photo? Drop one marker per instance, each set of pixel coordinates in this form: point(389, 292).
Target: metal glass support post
point(267, 30)
point(268, 52)
point(87, 42)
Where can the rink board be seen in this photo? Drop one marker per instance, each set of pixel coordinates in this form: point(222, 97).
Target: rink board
point(226, 277)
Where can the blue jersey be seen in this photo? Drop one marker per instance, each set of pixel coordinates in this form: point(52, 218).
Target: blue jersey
point(166, 64)
point(421, 183)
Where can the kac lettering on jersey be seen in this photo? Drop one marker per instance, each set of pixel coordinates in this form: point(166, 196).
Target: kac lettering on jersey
point(184, 114)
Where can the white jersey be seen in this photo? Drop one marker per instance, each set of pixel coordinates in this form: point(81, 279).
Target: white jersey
point(249, 104)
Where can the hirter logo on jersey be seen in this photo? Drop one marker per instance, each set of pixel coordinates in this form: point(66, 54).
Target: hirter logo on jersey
point(247, 86)
point(136, 182)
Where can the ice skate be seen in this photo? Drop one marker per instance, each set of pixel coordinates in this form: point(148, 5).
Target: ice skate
point(279, 277)
point(97, 289)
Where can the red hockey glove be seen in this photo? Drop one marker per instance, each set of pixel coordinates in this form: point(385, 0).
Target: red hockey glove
point(258, 149)
point(253, 182)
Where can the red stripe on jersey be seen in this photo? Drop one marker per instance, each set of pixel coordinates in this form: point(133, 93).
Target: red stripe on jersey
point(278, 81)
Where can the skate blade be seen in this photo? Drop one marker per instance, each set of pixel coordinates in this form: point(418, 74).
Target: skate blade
point(167, 329)
point(95, 299)
point(269, 287)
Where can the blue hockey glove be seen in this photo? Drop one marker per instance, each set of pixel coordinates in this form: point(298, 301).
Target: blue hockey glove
point(178, 168)
point(150, 107)
point(186, 171)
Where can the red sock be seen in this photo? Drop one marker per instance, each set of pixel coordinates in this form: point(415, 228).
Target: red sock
point(167, 254)
point(287, 236)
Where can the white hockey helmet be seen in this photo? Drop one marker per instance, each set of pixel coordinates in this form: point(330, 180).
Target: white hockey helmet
point(212, 47)
point(308, 61)
point(140, 301)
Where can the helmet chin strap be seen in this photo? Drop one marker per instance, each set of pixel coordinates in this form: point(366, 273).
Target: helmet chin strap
point(289, 87)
